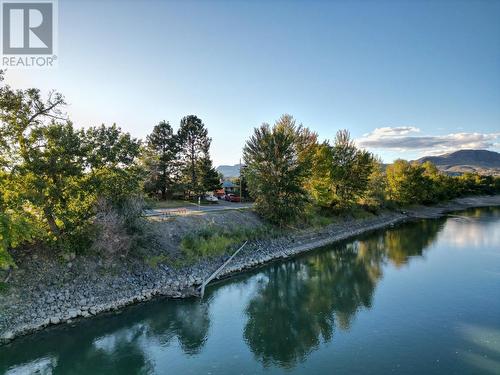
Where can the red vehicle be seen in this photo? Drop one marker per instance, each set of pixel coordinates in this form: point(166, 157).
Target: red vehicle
point(233, 198)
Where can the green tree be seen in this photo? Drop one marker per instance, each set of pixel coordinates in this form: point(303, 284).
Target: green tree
point(161, 163)
point(437, 186)
point(242, 183)
point(209, 179)
point(113, 183)
point(376, 188)
point(276, 170)
point(405, 182)
point(496, 184)
point(351, 169)
point(193, 137)
point(473, 184)
point(319, 183)
point(340, 173)
point(110, 147)
point(52, 167)
point(111, 161)
point(39, 153)
point(16, 225)
point(52, 175)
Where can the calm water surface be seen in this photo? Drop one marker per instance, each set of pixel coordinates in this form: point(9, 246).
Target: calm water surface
point(421, 298)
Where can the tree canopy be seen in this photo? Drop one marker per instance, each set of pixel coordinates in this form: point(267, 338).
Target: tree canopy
point(68, 187)
point(52, 175)
point(160, 157)
point(276, 168)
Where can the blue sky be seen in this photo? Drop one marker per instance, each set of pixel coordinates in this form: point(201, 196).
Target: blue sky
point(406, 78)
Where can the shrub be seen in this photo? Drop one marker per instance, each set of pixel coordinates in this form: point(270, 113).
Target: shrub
point(119, 229)
point(212, 241)
point(15, 229)
point(155, 260)
point(317, 217)
point(3, 287)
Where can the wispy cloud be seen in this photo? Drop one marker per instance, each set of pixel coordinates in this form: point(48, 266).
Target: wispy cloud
point(392, 131)
point(403, 138)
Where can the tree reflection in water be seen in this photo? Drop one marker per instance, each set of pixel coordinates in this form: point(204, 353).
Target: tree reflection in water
point(114, 346)
point(300, 303)
point(297, 305)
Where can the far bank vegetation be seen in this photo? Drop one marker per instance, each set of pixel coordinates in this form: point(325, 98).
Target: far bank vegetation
point(76, 190)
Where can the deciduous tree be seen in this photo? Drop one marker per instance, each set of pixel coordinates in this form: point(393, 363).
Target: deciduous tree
point(340, 173)
point(405, 182)
point(276, 170)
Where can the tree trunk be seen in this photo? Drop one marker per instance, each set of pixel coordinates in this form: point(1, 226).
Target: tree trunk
point(52, 223)
point(193, 176)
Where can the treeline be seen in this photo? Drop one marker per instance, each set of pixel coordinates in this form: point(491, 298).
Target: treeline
point(289, 170)
point(179, 164)
point(77, 189)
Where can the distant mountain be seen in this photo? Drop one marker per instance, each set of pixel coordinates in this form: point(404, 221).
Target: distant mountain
point(229, 171)
point(479, 161)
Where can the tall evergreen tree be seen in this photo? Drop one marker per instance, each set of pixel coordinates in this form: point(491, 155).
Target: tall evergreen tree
point(161, 160)
point(194, 144)
point(209, 177)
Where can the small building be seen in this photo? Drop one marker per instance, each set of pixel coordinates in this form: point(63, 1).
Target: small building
point(229, 187)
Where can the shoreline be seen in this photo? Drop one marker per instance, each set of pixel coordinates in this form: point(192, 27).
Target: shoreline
point(64, 304)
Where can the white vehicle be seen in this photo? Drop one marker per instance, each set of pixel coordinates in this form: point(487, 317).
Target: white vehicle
point(211, 198)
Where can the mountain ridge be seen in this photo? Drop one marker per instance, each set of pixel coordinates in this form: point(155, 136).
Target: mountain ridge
point(229, 171)
point(462, 161)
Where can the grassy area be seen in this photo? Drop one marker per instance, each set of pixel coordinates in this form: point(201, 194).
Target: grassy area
point(212, 241)
point(358, 212)
point(317, 218)
point(155, 260)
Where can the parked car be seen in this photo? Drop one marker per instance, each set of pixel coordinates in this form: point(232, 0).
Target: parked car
point(220, 194)
point(211, 198)
point(233, 198)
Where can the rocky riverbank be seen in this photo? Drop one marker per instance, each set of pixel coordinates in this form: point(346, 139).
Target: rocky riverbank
point(61, 293)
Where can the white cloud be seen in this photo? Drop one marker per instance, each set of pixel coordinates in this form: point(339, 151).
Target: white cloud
point(393, 131)
point(402, 139)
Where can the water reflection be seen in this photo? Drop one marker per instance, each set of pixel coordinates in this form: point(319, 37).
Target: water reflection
point(111, 345)
point(301, 303)
point(289, 309)
point(472, 229)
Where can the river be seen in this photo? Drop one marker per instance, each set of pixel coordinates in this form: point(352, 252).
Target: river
point(419, 298)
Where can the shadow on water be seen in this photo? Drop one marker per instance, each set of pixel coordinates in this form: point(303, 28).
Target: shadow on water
point(292, 308)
